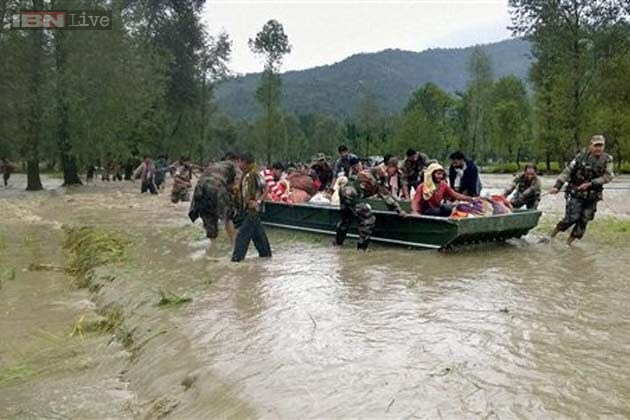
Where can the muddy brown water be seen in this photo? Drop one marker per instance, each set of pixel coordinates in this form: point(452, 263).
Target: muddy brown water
point(516, 330)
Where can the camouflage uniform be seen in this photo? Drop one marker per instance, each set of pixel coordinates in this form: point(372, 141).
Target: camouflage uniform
point(182, 183)
point(354, 207)
point(582, 205)
point(213, 198)
point(412, 170)
point(527, 191)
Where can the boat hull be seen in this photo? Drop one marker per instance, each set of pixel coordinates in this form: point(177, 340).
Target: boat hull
point(415, 231)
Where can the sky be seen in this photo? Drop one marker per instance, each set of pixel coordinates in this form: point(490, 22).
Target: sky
point(327, 31)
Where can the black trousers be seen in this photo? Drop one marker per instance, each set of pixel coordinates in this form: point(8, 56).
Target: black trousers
point(444, 210)
point(531, 202)
point(577, 214)
point(148, 186)
point(251, 230)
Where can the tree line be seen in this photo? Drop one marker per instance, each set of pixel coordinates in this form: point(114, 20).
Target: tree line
point(84, 97)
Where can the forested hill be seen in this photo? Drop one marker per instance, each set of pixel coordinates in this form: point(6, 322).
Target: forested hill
point(389, 75)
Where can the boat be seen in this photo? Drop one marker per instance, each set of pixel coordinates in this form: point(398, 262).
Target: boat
point(412, 231)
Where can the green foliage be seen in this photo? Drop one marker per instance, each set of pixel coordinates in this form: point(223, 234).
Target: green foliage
point(272, 43)
point(510, 125)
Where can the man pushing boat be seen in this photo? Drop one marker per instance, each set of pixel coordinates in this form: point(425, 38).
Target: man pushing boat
point(354, 206)
point(585, 177)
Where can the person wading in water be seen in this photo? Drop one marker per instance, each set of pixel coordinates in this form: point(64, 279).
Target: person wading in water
point(251, 192)
point(585, 177)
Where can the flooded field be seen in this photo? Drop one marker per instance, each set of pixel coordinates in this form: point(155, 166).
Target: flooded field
point(172, 329)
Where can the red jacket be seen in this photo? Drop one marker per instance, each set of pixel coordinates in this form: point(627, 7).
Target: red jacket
point(443, 191)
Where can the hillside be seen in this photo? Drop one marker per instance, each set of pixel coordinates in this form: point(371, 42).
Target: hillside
point(391, 75)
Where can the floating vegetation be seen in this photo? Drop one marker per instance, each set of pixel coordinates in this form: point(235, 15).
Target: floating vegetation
point(188, 381)
point(136, 348)
point(28, 240)
point(168, 298)
point(46, 267)
point(89, 248)
point(162, 407)
point(8, 274)
point(79, 329)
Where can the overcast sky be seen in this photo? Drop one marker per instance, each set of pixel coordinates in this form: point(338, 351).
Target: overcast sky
point(325, 32)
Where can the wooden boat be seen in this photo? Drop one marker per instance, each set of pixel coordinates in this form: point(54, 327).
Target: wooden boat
point(413, 231)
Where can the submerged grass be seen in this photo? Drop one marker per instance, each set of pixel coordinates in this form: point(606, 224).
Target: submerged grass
point(15, 373)
point(168, 298)
point(89, 248)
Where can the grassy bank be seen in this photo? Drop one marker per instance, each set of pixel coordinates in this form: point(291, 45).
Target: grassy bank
point(605, 229)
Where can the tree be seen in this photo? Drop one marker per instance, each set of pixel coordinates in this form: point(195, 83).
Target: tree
point(509, 119)
point(32, 112)
point(195, 61)
point(368, 117)
point(563, 33)
point(437, 109)
point(272, 43)
point(476, 99)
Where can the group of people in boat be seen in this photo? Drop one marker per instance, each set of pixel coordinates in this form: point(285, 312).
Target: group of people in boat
point(435, 191)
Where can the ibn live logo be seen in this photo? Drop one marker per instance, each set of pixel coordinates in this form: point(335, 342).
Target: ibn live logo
point(63, 19)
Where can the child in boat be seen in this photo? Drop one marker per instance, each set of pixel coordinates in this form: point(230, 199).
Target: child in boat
point(430, 199)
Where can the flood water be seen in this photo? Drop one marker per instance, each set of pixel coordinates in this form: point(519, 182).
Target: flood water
point(525, 329)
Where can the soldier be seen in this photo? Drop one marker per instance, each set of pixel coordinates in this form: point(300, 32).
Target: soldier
point(412, 168)
point(585, 177)
point(251, 192)
point(213, 198)
point(354, 207)
point(182, 173)
point(527, 186)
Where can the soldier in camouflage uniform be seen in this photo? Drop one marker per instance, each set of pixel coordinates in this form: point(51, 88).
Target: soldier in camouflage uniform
point(354, 207)
point(213, 198)
point(585, 177)
point(182, 173)
point(527, 186)
point(413, 167)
